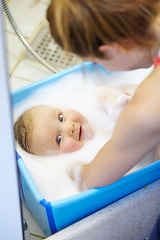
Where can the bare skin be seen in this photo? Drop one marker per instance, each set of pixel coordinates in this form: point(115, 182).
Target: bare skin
point(58, 131)
point(136, 133)
point(137, 130)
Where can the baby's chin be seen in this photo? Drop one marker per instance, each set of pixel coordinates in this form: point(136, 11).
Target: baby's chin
point(50, 153)
point(88, 133)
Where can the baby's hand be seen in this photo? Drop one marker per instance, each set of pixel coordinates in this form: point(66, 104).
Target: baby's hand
point(113, 100)
point(74, 172)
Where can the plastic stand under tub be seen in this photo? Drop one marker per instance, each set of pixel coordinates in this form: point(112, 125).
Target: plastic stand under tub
point(57, 215)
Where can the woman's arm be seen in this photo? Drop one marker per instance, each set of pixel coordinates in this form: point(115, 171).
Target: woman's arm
point(137, 131)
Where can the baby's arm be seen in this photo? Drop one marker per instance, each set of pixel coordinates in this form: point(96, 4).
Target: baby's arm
point(115, 99)
point(129, 89)
point(137, 131)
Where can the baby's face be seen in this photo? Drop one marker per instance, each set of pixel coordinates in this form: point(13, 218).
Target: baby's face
point(58, 131)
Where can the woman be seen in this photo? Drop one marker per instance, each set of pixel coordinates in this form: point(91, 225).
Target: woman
point(119, 35)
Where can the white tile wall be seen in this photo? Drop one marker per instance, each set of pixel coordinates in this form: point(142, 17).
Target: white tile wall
point(13, 48)
point(18, 83)
point(30, 71)
point(28, 15)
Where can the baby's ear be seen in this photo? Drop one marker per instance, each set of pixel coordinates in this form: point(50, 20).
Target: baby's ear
point(122, 100)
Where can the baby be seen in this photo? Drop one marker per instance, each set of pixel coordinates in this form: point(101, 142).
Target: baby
point(43, 130)
point(114, 99)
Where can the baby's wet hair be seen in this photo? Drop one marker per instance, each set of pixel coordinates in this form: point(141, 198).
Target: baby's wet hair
point(23, 129)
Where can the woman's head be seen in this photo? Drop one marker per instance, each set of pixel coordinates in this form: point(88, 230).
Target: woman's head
point(82, 27)
point(43, 130)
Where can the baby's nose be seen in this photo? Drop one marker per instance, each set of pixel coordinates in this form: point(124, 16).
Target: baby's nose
point(73, 130)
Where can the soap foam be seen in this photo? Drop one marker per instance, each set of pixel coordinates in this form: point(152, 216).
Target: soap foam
point(76, 91)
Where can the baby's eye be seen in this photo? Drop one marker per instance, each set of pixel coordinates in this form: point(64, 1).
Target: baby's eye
point(59, 139)
point(61, 118)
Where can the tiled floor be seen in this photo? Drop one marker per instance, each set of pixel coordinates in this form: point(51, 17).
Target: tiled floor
point(29, 15)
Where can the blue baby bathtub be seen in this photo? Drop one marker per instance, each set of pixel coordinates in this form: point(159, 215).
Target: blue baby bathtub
point(57, 215)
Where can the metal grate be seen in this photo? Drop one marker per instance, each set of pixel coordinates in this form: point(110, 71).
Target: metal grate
point(45, 46)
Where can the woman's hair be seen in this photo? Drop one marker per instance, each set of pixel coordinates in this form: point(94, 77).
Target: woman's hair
point(23, 129)
point(81, 26)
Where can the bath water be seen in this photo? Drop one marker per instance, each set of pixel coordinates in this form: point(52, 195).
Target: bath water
point(76, 91)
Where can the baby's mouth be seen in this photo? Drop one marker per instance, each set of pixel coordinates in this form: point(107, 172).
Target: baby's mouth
point(81, 131)
point(86, 133)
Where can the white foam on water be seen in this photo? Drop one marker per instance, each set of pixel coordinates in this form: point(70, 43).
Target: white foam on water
point(76, 91)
